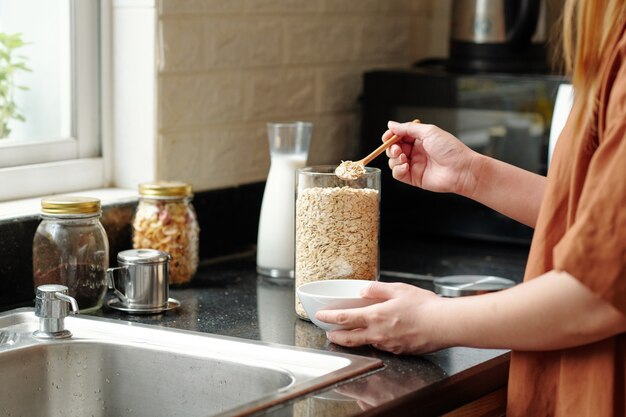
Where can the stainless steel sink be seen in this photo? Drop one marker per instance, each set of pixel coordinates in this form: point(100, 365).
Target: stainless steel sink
point(118, 368)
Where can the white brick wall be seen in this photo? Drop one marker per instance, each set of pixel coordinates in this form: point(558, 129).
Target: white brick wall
point(227, 67)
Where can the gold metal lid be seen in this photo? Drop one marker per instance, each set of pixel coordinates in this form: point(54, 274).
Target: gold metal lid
point(70, 205)
point(165, 189)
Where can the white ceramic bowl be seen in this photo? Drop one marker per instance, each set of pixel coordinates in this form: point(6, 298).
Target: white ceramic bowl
point(332, 294)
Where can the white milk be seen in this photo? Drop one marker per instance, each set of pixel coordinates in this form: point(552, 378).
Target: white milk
point(275, 244)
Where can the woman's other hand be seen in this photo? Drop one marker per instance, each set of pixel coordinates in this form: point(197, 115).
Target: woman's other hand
point(431, 158)
point(399, 324)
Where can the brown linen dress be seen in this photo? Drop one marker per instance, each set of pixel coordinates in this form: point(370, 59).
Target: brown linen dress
point(581, 229)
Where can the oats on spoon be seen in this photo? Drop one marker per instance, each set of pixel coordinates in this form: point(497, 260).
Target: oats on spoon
point(349, 170)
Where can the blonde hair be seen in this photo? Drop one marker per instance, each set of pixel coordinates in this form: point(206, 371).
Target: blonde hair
point(590, 30)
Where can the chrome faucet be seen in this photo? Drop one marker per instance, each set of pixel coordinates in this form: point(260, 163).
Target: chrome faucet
point(51, 306)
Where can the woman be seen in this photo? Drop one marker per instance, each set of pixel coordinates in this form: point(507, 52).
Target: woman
point(566, 322)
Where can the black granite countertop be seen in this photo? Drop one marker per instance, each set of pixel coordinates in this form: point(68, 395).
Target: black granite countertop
point(229, 298)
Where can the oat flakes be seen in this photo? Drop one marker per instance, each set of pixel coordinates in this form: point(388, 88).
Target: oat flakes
point(336, 235)
point(349, 170)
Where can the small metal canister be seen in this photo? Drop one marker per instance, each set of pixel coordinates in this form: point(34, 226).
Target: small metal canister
point(141, 281)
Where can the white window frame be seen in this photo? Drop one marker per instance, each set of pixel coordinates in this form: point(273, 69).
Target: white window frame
point(75, 163)
point(128, 78)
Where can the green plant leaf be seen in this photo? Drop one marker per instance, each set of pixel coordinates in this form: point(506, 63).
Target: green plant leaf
point(10, 64)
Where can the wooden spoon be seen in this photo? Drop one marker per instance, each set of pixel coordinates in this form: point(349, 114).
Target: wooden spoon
point(349, 170)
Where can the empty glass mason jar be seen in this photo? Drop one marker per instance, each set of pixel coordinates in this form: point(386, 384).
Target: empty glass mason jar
point(165, 220)
point(337, 227)
point(71, 248)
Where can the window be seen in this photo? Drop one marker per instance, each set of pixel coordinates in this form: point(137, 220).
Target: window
point(54, 143)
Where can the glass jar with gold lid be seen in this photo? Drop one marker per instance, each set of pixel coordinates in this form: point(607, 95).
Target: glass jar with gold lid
point(70, 247)
point(165, 220)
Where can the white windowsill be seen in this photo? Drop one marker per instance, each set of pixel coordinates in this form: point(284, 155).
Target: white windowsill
point(31, 206)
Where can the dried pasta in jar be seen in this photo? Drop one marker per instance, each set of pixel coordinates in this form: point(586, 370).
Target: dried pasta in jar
point(165, 220)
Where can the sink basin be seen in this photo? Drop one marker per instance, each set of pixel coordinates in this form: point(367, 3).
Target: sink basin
point(112, 367)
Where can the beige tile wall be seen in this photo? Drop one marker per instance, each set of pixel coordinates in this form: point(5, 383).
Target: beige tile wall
point(226, 67)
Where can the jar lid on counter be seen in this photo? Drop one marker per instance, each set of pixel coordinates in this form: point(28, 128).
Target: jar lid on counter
point(165, 189)
point(464, 285)
point(70, 205)
point(142, 256)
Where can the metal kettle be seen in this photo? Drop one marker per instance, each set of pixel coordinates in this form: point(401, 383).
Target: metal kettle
point(498, 36)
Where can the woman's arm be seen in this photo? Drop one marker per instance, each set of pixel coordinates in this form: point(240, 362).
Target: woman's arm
point(553, 311)
point(509, 190)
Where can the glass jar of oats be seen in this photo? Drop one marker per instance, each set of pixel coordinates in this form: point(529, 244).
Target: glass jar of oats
point(337, 226)
point(165, 220)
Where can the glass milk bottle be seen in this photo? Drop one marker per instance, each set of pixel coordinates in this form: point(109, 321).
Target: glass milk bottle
point(289, 148)
point(337, 227)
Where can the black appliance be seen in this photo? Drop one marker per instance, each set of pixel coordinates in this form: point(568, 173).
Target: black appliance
point(504, 116)
point(498, 36)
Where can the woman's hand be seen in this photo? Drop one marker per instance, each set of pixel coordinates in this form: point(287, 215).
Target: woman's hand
point(431, 158)
point(399, 324)
point(552, 311)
